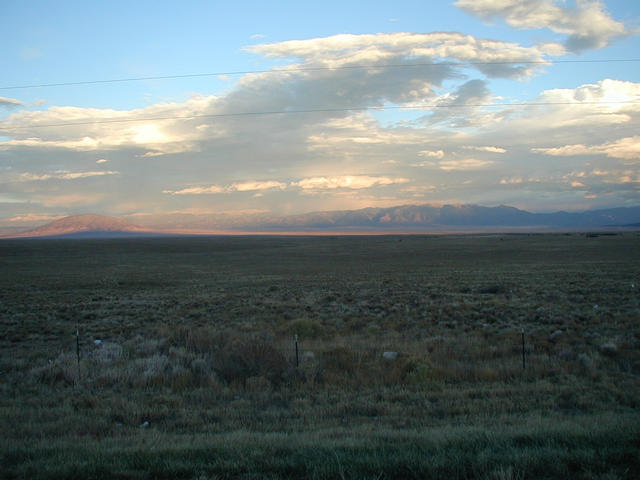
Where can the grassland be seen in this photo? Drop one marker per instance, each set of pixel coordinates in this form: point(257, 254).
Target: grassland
point(194, 373)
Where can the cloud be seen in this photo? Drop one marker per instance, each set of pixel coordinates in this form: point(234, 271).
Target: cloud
point(489, 149)
point(33, 217)
point(102, 160)
point(6, 102)
point(62, 175)
point(157, 129)
point(252, 186)
point(212, 189)
point(235, 187)
point(334, 158)
point(501, 59)
point(465, 164)
point(257, 35)
point(626, 148)
point(587, 24)
point(511, 181)
point(352, 182)
point(431, 153)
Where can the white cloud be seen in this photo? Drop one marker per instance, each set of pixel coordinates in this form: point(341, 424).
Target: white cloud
point(486, 149)
point(431, 153)
point(102, 160)
point(234, 187)
point(626, 148)
point(587, 24)
point(212, 189)
point(63, 175)
point(10, 102)
point(153, 128)
point(393, 48)
point(353, 182)
point(33, 217)
point(251, 186)
point(465, 164)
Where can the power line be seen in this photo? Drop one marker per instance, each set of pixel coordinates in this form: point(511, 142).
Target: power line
point(312, 110)
point(280, 70)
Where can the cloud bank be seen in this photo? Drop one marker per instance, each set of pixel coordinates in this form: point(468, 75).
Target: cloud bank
point(311, 135)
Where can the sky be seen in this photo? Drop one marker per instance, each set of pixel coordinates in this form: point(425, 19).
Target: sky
point(289, 107)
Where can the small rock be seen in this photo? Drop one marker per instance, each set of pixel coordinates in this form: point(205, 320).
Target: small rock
point(390, 355)
point(144, 425)
point(555, 335)
point(97, 342)
point(610, 349)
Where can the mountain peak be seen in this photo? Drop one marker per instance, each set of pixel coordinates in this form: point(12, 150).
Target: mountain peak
point(89, 224)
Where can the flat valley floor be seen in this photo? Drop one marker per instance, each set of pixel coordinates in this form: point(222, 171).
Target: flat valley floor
point(176, 357)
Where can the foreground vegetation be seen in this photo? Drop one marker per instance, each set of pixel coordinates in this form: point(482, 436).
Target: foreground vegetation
point(188, 365)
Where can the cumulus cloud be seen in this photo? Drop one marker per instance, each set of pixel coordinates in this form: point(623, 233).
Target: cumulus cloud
point(158, 129)
point(407, 49)
point(626, 148)
point(587, 24)
point(313, 153)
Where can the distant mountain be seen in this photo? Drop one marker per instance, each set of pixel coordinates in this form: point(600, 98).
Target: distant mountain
point(430, 217)
point(86, 226)
point(402, 218)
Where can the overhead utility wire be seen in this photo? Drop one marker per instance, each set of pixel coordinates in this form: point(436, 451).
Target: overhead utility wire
point(309, 69)
point(312, 110)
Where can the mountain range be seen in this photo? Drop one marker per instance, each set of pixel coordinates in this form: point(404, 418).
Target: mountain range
point(406, 218)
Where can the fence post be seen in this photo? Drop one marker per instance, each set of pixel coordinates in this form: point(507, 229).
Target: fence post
point(297, 358)
point(523, 354)
point(78, 349)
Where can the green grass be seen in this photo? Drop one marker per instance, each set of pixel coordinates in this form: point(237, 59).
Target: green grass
point(198, 340)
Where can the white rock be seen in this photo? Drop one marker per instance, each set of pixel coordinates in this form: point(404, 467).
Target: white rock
point(97, 342)
point(390, 355)
point(144, 425)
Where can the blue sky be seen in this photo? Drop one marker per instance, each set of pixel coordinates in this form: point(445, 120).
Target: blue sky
point(560, 155)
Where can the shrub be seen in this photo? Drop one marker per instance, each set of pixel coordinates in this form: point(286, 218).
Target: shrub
point(241, 358)
point(305, 327)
